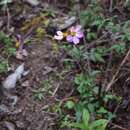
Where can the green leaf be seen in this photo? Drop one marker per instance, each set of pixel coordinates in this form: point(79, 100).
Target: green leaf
point(70, 104)
point(119, 48)
point(102, 110)
point(77, 125)
point(79, 109)
point(3, 66)
point(99, 124)
point(91, 35)
point(85, 117)
point(91, 107)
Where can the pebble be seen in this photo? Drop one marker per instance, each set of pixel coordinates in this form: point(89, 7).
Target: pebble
point(33, 2)
point(9, 125)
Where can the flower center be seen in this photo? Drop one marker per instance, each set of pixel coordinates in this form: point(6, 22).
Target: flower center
point(65, 34)
point(73, 33)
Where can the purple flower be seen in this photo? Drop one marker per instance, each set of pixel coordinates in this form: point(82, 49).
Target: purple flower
point(59, 35)
point(75, 34)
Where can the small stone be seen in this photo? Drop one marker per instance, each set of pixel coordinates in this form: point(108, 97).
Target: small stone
point(10, 81)
point(25, 84)
point(1, 23)
point(20, 124)
point(3, 109)
point(47, 70)
point(9, 125)
point(33, 2)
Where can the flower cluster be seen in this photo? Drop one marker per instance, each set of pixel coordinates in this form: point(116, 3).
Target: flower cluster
point(72, 35)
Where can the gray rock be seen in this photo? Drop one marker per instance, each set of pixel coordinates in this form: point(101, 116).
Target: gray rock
point(10, 81)
point(33, 2)
point(9, 125)
point(3, 109)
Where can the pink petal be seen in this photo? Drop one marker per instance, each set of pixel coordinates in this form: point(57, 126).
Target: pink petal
point(75, 40)
point(78, 28)
point(59, 33)
point(79, 34)
point(58, 37)
point(72, 29)
point(69, 38)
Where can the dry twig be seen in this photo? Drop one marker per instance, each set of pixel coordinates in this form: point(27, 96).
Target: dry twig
point(119, 127)
point(117, 72)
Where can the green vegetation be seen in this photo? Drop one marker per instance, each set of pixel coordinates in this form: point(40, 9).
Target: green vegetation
point(7, 50)
point(108, 36)
point(43, 90)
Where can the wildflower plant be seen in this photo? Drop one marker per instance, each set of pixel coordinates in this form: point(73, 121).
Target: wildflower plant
point(72, 35)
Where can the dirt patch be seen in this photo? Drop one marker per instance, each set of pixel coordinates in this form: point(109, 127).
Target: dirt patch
point(28, 113)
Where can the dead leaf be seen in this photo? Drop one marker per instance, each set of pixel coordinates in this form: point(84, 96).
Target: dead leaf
point(20, 54)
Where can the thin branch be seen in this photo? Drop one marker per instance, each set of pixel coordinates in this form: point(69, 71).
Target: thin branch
point(111, 6)
point(120, 127)
point(117, 72)
point(56, 89)
point(8, 18)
